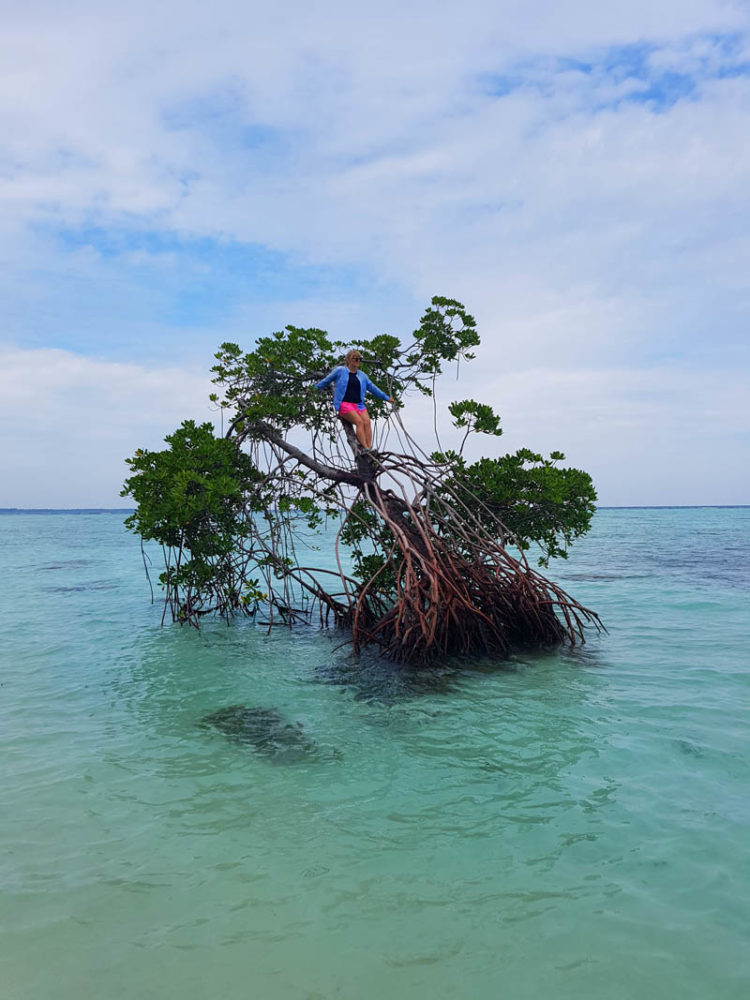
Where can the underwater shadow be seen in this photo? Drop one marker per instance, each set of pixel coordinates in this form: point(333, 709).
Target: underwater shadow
point(372, 678)
point(191, 691)
point(266, 731)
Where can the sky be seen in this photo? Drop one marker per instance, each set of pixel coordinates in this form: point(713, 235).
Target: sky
point(176, 175)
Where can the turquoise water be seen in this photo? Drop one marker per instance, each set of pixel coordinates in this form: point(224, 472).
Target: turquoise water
point(570, 824)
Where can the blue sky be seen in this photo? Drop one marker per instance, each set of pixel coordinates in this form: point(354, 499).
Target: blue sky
point(173, 176)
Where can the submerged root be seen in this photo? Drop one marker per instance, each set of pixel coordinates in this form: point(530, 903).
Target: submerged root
point(469, 599)
point(474, 612)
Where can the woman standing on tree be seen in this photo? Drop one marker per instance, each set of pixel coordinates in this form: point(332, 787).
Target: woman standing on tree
point(349, 388)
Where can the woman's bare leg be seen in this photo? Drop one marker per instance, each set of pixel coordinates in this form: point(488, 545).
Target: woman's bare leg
point(367, 428)
point(355, 418)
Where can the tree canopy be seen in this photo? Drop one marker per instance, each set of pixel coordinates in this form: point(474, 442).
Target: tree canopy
point(431, 550)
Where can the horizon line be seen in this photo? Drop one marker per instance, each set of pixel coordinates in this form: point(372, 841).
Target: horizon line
point(125, 510)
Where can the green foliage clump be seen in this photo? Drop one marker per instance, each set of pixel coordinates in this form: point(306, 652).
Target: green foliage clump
point(535, 499)
point(273, 383)
point(193, 498)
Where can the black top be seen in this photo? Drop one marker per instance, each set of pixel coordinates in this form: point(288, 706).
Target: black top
point(353, 392)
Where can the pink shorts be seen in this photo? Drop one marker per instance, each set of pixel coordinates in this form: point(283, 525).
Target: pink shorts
point(348, 407)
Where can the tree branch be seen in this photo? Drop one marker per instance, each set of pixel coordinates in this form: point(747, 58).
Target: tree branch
point(265, 431)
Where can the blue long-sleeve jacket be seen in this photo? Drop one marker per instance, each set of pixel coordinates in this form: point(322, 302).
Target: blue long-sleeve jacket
point(340, 378)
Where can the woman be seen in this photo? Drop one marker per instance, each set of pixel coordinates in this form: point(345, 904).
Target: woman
point(349, 388)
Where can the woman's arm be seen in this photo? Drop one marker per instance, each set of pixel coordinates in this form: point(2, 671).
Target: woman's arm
point(375, 391)
point(328, 379)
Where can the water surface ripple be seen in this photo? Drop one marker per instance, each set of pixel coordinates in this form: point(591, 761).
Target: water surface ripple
point(571, 824)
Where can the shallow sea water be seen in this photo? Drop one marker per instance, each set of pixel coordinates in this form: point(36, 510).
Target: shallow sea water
point(571, 824)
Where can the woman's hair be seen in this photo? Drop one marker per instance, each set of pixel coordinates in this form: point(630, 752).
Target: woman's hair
point(350, 354)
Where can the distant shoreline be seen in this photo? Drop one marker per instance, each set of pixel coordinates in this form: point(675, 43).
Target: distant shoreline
point(66, 510)
point(129, 510)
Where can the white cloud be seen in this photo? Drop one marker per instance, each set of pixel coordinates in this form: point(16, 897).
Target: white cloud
point(487, 150)
point(67, 423)
point(645, 435)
